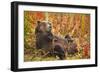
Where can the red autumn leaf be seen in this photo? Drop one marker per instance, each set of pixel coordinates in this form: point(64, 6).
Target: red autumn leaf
point(39, 15)
point(86, 49)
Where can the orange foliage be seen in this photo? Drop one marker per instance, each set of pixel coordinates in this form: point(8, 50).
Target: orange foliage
point(76, 25)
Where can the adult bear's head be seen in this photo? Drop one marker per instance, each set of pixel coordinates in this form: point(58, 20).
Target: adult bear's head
point(43, 27)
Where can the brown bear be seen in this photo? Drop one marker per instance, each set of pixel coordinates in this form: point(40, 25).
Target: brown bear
point(43, 35)
point(46, 40)
point(72, 46)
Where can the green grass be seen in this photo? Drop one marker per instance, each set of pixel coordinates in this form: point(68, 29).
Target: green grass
point(35, 55)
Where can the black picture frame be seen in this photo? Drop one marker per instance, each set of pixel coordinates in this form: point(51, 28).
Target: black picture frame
point(14, 35)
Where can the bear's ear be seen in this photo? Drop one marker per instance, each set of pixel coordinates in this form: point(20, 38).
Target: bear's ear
point(38, 22)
